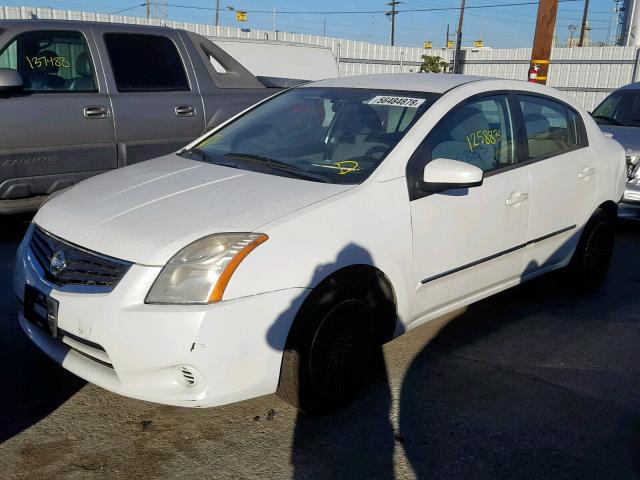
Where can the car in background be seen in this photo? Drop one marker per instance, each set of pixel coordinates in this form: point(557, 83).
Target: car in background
point(619, 115)
point(278, 252)
point(81, 98)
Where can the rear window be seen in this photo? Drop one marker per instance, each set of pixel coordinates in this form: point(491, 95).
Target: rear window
point(145, 63)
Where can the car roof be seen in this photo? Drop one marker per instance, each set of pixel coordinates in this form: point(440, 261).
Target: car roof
point(631, 86)
point(66, 24)
point(428, 82)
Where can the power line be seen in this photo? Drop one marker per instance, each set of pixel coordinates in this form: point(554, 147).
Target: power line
point(369, 12)
point(127, 9)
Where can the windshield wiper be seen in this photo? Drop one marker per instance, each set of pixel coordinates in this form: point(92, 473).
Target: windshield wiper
point(274, 164)
point(608, 119)
point(205, 157)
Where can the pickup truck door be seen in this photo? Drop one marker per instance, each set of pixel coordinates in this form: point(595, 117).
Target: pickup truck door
point(58, 129)
point(156, 101)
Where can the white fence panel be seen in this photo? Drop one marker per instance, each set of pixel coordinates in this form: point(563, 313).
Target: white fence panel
point(587, 74)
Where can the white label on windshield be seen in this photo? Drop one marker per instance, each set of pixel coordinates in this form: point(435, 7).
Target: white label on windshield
point(397, 101)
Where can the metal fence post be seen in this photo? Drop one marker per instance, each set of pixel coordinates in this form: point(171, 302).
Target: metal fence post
point(635, 76)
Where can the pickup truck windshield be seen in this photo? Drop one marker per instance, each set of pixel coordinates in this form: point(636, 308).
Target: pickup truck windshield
point(620, 109)
point(334, 135)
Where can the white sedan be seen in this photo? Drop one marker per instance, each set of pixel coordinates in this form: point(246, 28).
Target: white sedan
point(279, 251)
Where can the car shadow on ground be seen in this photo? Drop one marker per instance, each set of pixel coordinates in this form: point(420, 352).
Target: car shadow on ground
point(538, 381)
point(33, 386)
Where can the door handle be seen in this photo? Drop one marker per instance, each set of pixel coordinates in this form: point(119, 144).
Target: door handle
point(586, 172)
point(185, 111)
point(516, 198)
point(96, 111)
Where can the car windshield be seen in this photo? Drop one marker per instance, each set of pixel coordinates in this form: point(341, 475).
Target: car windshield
point(333, 135)
point(620, 109)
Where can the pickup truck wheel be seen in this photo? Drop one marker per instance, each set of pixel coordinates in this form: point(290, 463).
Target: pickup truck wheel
point(592, 257)
point(331, 347)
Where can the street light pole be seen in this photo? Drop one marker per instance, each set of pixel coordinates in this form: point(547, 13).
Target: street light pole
point(217, 13)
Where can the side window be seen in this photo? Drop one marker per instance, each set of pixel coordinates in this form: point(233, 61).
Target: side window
point(51, 61)
point(145, 63)
point(479, 132)
point(577, 132)
point(549, 127)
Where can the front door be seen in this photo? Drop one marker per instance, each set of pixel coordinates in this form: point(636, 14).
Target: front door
point(468, 242)
point(156, 103)
point(59, 128)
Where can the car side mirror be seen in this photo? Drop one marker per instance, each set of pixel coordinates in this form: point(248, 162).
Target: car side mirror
point(443, 174)
point(10, 80)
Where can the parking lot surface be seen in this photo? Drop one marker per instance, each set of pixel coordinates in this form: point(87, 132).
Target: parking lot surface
point(536, 382)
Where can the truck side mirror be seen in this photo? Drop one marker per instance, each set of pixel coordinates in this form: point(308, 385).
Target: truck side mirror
point(10, 80)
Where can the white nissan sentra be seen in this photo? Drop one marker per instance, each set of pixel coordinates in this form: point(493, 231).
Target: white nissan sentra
point(277, 252)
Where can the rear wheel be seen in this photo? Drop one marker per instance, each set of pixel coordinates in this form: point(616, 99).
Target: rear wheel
point(332, 345)
point(592, 257)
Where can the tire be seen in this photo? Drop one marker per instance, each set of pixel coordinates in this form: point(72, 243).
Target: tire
point(591, 259)
point(332, 345)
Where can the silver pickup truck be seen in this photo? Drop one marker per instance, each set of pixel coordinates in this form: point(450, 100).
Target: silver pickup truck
point(80, 98)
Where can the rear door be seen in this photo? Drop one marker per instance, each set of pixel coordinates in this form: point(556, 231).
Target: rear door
point(59, 128)
point(563, 180)
point(156, 101)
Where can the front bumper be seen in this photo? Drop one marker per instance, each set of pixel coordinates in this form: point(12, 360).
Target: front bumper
point(193, 356)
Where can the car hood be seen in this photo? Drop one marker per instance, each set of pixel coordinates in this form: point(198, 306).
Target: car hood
point(145, 213)
point(628, 137)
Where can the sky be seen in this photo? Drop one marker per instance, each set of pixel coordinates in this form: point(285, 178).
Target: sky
point(498, 27)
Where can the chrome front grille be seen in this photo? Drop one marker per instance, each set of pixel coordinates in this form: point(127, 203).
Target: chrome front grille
point(73, 265)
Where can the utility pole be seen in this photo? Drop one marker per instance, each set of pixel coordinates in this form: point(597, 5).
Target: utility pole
point(584, 23)
point(543, 39)
point(274, 19)
point(147, 9)
point(446, 45)
point(458, 53)
point(324, 27)
point(393, 14)
point(217, 12)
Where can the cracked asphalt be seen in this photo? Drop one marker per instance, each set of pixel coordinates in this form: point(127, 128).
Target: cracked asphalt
point(535, 383)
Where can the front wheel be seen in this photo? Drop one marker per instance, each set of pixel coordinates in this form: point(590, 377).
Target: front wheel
point(592, 256)
point(333, 344)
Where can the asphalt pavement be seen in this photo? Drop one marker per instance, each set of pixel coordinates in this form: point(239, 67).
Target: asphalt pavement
point(538, 382)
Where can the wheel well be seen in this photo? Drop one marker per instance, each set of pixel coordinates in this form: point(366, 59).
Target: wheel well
point(367, 275)
point(610, 208)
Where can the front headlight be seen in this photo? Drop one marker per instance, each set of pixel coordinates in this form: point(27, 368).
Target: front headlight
point(200, 272)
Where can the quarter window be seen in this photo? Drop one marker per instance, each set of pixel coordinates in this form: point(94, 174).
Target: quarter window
point(54, 61)
point(551, 128)
point(479, 132)
point(145, 63)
